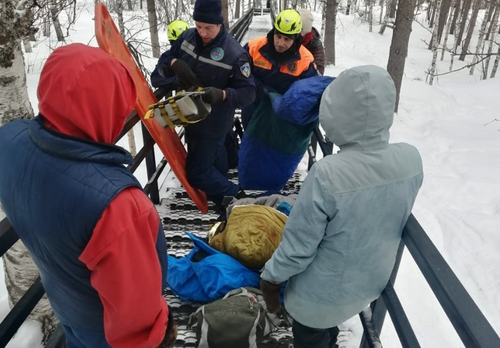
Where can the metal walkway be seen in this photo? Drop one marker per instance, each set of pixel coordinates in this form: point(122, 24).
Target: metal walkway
point(179, 213)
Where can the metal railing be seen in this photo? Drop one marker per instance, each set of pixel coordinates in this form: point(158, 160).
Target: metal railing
point(468, 321)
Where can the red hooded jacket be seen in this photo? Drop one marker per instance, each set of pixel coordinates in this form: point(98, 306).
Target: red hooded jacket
point(85, 93)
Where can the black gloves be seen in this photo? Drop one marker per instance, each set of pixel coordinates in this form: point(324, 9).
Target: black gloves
point(186, 76)
point(171, 332)
point(212, 95)
point(271, 294)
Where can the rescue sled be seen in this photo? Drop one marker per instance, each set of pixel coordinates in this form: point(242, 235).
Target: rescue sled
point(110, 41)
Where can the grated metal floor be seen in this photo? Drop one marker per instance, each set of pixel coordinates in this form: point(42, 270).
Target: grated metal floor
point(179, 213)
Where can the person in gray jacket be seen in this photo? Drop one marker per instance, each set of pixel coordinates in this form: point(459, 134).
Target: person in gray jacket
point(340, 242)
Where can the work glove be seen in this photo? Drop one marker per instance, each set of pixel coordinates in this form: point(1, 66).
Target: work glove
point(212, 95)
point(170, 333)
point(271, 294)
point(186, 76)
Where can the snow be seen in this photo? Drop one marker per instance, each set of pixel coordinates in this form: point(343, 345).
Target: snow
point(455, 126)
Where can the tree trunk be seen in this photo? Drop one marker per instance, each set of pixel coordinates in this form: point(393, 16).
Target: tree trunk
point(20, 271)
point(458, 6)
point(393, 8)
point(434, 45)
point(443, 15)
point(129, 5)
point(381, 3)
point(237, 9)
point(463, 21)
point(54, 16)
point(470, 31)
point(399, 44)
point(495, 65)
point(447, 33)
point(225, 13)
point(431, 24)
point(27, 45)
point(119, 12)
point(386, 18)
point(347, 8)
point(493, 28)
point(153, 28)
point(330, 15)
point(480, 40)
point(456, 42)
point(370, 16)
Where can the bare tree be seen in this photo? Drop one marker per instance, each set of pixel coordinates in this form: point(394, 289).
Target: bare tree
point(54, 16)
point(495, 65)
point(434, 44)
point(330, 22)
point(443, 15)
point(480, 40)
point(20, 271)
point(153, 28)
point(386, 17)
point(470, 31)
point(370, 16)
point(456, 14)
point(225, 12)
point(237, 9)
point(399, 43)
point(447, 33)
point(463, 21)
point(494, 31)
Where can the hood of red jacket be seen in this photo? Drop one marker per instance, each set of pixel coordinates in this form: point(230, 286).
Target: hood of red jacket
point(85, 93)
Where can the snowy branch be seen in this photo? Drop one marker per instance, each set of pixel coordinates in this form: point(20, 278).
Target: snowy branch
point(467, 66)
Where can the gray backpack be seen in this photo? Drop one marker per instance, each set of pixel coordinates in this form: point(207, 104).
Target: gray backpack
point(240, 319)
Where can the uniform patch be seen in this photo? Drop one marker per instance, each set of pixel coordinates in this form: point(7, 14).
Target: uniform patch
point(292, 67)
point(261, 63)
point(217, 54)
point(245, 69)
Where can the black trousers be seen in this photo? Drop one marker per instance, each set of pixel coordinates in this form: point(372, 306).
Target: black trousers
point(308, 337)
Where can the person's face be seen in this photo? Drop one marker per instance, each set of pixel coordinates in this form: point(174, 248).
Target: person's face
point(207, 31)
point(282, 42)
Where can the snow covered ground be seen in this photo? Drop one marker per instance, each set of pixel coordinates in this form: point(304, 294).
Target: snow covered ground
point(456, 127)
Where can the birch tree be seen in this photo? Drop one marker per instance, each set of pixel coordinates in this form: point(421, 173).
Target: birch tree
point(20, 270)
point(456, 43)
point(463, 20)
point(470, 30)
point(370, 16)
point(386, 17)
point(494, 33)
point(434, 43)
point(495, 65)
point(480, 40)
point(449, 24)
point(399, 44)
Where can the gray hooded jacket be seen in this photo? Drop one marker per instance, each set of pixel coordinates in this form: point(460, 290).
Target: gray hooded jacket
point(340, 241)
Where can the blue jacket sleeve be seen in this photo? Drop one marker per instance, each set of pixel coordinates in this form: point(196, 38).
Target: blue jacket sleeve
point(241, 90)
point(304, 230)
point(163, 75)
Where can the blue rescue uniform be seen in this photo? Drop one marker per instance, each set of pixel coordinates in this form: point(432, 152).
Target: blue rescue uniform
point(223, 64)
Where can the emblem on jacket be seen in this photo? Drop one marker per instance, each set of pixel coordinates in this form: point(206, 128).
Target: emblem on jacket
point(292, 67)
point(245, 69)
point(261, 63)
point(217, 54)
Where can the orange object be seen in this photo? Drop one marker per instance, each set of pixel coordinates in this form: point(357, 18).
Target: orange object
point(110, 41)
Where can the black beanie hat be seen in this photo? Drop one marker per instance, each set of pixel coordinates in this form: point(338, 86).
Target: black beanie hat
point(208, 11)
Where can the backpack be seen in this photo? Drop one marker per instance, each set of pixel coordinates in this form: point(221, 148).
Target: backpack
point(240, 319)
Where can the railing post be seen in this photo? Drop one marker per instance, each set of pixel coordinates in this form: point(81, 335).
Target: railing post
point(379, 310)
point(151, 166)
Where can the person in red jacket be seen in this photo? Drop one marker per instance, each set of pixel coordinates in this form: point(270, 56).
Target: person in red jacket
point(94, 235)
